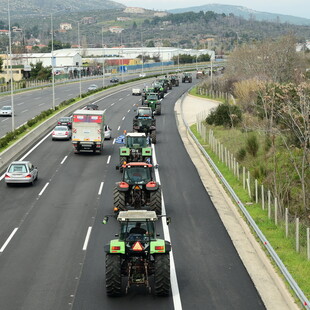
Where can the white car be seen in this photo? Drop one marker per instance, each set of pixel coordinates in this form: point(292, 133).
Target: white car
point(92, 87)
point(107, 132)
point(21, 172)
point(142, 75)
point(6, 111)
point(61, 133)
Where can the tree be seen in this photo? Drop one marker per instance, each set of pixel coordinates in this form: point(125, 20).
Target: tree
point(150, 44)
point(38, 72)
point(134, 26)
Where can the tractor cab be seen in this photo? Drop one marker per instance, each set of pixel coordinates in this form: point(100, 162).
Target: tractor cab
point(137, 173)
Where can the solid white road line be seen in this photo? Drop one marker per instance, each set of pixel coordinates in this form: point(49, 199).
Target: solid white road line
point(87, 238)
point(100, 188)
point(64, 160)
point(44, 188)
point(109, 158)
point(173, 279)
point(8, 240)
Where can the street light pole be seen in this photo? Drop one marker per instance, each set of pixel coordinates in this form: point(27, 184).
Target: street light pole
point(11, 70)
point(52, 52)
point(102, 58)
point(80, 73)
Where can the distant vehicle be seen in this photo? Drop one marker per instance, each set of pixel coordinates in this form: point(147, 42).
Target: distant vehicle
point(107, 132)
point(142, 75)
point(65, 121)
point(114, 79)
point(21, 172)
point(91, 106)
point(136, 91)
point(92, 87)
point(61, 133)
point(6, 110)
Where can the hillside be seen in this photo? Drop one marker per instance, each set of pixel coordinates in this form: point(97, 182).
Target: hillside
point(244, 12)
point(43, 7)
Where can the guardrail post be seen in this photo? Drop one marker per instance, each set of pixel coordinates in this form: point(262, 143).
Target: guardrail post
point(238, 172)
point(243, 176)
point(256, 191)
point(286, 222)
point(269, 203)
point(308, 242)
point(263, 197)
point(249, 187)
point(297, 234)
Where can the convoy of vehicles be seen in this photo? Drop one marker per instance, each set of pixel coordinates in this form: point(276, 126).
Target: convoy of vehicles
point(88, 130)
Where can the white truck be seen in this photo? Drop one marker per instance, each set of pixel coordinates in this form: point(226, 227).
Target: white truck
point(136, 91)
point(88, 130)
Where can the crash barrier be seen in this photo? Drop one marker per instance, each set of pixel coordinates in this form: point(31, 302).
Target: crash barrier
point(294, 286)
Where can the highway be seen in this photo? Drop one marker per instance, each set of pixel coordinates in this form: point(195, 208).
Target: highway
point(47, 260)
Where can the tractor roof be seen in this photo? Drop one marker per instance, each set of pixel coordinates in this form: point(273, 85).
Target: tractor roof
point(138, 164)
point(137, 215)
point(135, 134)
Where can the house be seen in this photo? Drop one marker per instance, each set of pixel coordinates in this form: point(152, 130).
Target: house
point(65, 26)
point(134, 10)
point(116, 29)
point(16, 29)
point(4, 31)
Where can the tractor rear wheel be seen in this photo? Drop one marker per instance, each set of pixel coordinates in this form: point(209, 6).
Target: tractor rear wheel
point(113, 276)
point(153, 136)
point(162, 275)
point(155, 201)
point(119, 199)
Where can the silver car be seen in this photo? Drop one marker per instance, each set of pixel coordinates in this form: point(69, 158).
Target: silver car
point(92, 87)
point(6, 110)
point(61, 133)
point(21, 172)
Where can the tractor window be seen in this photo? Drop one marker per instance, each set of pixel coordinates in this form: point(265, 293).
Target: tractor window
point(137, 175)
point(136, 141)
point(152, 97)
point(128, 226)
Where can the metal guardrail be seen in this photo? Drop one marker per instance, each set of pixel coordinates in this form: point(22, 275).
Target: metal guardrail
point(301, 296)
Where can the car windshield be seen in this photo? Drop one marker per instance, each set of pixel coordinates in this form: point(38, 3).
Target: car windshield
point(6, 108)
point(136, 141)
point(65, 119)
point(137, 175)
point(18, 168)
point(130, 233)
point(144, 112)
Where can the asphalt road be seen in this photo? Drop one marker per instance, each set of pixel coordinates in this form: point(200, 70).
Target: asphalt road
point(50, 264)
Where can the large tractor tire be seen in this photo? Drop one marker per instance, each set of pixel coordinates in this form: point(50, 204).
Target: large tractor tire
point(155, 201)
point(119, 199)
point(153, 136)
point(113, 275)
point(162, 275)
point(158, 109)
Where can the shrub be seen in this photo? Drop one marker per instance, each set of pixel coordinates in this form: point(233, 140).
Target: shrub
point(225, 115)
point(241, 154)
point(252, 145)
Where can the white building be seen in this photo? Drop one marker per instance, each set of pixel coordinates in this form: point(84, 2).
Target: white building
point(65, 26)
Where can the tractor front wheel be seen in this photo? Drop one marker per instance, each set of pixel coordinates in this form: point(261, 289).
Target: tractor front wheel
point(155, 201)
point(162, 275)
point(119, 199)
point(113, 276)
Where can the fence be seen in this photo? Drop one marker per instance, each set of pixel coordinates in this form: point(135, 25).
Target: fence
point(258, 193)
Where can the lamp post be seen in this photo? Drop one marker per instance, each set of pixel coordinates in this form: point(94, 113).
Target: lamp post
point(102, 57)
point(142, 58)
point(52, 53)
point(80, 73)
point(11, 71)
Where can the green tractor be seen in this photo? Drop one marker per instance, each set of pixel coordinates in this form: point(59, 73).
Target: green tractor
point(153, 102)
point(145, 122)
point(137, 255)
point(160, 89)
point(187, 77)
point(174, 79)
point(137, 189)
point(166, 82)
point(137, 148)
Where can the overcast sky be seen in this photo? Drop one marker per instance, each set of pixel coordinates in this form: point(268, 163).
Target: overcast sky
point(300, 8)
